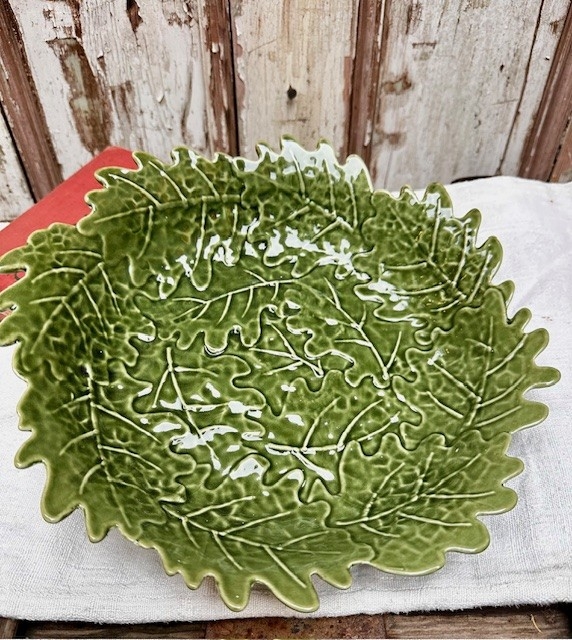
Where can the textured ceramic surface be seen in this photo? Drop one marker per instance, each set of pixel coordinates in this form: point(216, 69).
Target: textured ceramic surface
point(265, 370)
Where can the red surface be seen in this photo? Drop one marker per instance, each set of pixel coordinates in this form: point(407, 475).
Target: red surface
point(66, 203)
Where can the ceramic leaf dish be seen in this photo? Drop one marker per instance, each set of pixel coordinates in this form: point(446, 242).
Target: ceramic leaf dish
point(266, 369)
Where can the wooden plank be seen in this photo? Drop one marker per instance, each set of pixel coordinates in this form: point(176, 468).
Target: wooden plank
point(222, 117)
point(91, 630)
point(359, 626)
point(371, 34)
point(451, 82)
point(562, 171)
point(15, 194)
point(548, 33)
point(502, 622)
point(8, 627)
point(542, 146)
point(135, 74)
point(527, 622)
point(23, 110)
point(293, 63)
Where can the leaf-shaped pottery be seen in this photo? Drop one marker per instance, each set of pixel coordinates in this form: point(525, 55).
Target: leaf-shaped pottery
point(266, 369)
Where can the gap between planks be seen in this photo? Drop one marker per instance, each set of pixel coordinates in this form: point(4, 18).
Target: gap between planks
point(23, 110)
point(540, 155)
point(503, 622)
point(8, 627)
point(371, 38)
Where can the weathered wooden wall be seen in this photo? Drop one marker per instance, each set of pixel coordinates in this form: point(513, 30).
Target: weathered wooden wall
point(129, 74)
point(423, 90)
point(293, 65)
point(459, 85)
point(15, 194)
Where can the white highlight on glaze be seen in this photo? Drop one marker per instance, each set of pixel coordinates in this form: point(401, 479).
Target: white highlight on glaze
point(213, 241)
point(236, 406)
point(161, 279)
point(288, 387)
point(225, 254)
point(183, 260)
point(232, 448)
point(329, 254)
point(247, 228)
point(342, 257)
point(293, 241)
point(325, 474)
point(201, 408)
point(192, 440)
point(433, 359)
point(254, 413)
point(401, 305)
point(275, 248)
point(331, 321)
point(386, 288)
point(297, 475)
point(250, 165)
point(355, 166)
point(145, 337)
point(252, 436)
point(248, 467)
point(381, 286)
point(166, 426)
point(295, 418)
point(214, 391)
point(176, 406)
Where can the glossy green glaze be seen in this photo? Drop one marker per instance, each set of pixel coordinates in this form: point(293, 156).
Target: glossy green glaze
point(265, 369)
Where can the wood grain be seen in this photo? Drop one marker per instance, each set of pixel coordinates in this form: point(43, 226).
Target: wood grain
point(562, 171)
point(502, 622)
point(451, 82)
point(149, 75)
point(541, 150)
point(549, 30)
point(23, 111)
point(530, 622)
point(294, 64)
point(372, 24)
point(359, 626)
point(8, 627)
point(223, 123)
point(91, 630)
point(15, 194)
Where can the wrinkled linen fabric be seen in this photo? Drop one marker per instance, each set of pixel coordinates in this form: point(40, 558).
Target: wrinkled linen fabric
point(52, 571)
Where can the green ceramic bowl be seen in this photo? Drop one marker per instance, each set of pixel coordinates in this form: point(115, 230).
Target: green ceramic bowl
point(266, 369)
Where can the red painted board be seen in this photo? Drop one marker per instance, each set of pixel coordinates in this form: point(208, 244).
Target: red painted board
point(66, 203)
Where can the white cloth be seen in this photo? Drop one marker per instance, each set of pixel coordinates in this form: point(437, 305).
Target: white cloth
point(53, 572)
